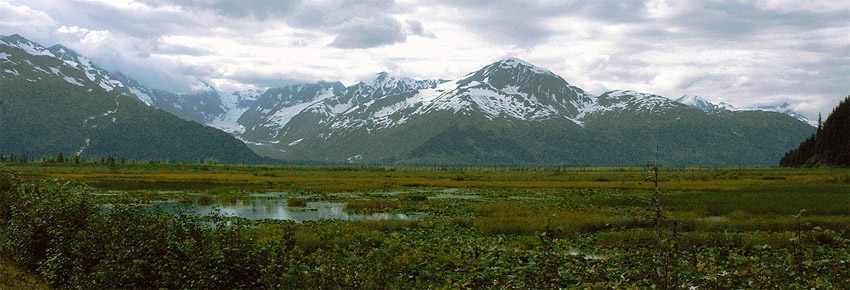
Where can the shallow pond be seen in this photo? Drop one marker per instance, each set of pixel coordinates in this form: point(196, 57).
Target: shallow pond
point(258, 209)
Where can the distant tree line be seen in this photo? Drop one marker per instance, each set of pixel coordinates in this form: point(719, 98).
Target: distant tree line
point(830, 146)
point(23, 158)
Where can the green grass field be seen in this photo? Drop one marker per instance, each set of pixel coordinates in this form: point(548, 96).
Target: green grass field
point(584, 228)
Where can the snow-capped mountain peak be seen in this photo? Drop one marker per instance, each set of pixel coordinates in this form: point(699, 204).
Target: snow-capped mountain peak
point(514, 63)
point(507, 70)
point(705, 105)
point(510, 88)
point(786, 109)
point(531, 112)
point(203, 87)
point(619, 100)
point(61, 61)
point(30, 47)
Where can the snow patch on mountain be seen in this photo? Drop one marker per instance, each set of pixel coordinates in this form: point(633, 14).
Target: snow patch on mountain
point(144, 97)
point(705, 105)
point(235, 104)
point(28, 46)
point(509, 88)
point(512, 63)
point(786, 109)
point(293, 143)
point(627, 100)
point(282, 116)
point(73, 81)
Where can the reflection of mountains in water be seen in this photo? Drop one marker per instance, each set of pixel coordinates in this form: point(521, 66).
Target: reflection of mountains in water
point(279, 210)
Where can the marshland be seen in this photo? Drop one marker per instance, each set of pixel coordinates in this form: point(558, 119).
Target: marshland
point(161, 225)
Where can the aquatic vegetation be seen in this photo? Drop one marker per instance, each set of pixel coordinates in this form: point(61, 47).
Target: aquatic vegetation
point(562, 228)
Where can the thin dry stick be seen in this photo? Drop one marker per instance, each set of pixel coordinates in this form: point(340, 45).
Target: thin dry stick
point(657, 201)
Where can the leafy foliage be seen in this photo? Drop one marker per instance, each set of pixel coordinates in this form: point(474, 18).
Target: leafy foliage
point(54, 230)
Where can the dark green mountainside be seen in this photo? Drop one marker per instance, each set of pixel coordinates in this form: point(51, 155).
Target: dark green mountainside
point(829, 146)
point(47, 106)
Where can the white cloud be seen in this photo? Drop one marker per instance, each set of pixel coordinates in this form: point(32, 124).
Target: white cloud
point(85, 35)
point(21, 19)
point(13, 15)
point(746, 52)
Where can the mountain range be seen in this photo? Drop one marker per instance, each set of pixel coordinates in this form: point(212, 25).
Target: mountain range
point(53, 100)
point(702, 104)
point(508, 113)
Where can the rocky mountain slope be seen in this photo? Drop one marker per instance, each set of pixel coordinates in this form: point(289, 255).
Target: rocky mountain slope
point(514, 113)
point(507, 113)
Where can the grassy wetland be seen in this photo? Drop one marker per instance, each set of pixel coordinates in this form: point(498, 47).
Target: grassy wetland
point(471, 228)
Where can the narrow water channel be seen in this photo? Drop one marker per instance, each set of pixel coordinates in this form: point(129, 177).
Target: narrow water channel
point(277, 209)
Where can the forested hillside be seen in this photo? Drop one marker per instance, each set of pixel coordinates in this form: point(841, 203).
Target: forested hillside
point(51, 116)
point(830, 146)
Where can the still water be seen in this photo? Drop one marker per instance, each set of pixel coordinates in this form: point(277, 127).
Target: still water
point(258, 209)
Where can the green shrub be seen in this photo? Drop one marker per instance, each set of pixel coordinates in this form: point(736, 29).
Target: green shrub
point(53, 230)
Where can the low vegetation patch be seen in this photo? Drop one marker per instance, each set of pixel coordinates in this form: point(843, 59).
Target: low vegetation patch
point(564, 228)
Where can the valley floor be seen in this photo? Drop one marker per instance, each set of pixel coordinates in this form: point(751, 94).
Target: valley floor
point(585, 228)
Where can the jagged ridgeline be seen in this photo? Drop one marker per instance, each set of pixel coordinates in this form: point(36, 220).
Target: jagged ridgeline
point(52, 100)
point(508, 113)
point(830, 146)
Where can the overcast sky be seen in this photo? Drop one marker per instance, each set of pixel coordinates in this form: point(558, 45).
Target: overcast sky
point(746, 53)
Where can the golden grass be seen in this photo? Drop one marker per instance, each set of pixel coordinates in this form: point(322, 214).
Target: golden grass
point(15, 277)
point(354, 179)
point(510, 219)
point(372, 205)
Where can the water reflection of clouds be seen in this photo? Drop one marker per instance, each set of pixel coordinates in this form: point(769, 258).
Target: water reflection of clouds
point(279, 210)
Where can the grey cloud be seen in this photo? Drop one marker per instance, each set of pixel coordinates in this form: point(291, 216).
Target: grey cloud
point(261, 80)
point(147, 24)
point(512, 22)
point(515, 29)
point(335, 13)
point(183, 50)
point(366, 33)
point(416, 28)
point(522, 23)
point(151, 72)
point(195, 70)
point(257, 9)
point(146, 47)
point(739, 21)
point(355, 23)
